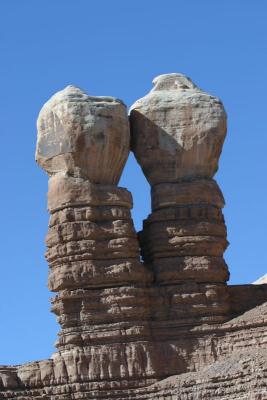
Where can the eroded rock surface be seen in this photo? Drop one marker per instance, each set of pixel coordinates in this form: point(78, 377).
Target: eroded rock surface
point(177, 131)
point(147, 316)
point(177, 136)
point(83, 135)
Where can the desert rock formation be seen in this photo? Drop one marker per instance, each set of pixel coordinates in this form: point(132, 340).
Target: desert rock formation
point(147, 315)
point(177, 136)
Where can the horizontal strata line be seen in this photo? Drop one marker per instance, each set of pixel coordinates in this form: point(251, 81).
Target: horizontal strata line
point(152, 285)
point(150, 337)
point(156, 325)
point(192, 221)
point(128, 339)
point(146, 285)
point(90, 289)
point(188, 280)
point(138, 285)
point(133, 252)
point(185, 206)
point(91, 222)
point(202, 236)
point(120, 260)
point(60, 263)
point(116, 242)
point(192, 322)
point(171, 255)
point(55, 261)
point(97, 206)
point(109, 218)
point(97, 240)
point(151, 257)
point(197, 256)
point(153, 336)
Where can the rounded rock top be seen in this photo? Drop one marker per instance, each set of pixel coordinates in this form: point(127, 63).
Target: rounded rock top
point(84, 136)
point(177, 131)
point(172, 81)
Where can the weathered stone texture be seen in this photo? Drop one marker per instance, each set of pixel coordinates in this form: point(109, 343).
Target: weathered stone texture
point(177, 136)
point(177, 131)
point(145, 316)
point(83, 136)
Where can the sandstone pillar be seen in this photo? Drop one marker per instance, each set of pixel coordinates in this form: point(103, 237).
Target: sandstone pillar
point(177, 136)
point(93, 251)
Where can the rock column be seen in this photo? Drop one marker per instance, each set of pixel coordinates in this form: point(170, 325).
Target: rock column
point(93, 251)
point(177, 136)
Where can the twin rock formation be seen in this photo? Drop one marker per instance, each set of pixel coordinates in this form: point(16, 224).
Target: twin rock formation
point(145, 316)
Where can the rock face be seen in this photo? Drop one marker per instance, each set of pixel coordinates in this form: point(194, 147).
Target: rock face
point(145, 316)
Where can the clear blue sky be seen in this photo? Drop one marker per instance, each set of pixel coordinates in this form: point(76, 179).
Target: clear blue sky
point(116, 48)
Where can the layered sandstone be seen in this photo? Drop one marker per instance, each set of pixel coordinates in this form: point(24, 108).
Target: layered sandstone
point(147, 316)
point(177, 136)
